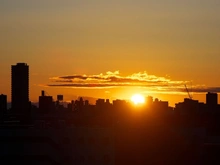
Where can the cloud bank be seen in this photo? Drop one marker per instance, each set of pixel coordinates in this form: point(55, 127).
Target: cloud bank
point(152, 83)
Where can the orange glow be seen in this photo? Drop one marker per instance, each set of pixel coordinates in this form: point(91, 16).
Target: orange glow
point(138, 99)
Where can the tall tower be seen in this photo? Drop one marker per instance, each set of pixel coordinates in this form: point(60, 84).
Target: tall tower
point(20, 88)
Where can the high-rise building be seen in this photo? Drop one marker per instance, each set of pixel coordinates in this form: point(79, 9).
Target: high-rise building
point(20, 88)
point(211, 99)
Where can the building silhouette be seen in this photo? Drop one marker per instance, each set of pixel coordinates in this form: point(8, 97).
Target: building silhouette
point(187, 107)
point(20, 88)
point(3, 102)
point(160, 106)
point(211, 99)
point(45, 103)
point(3, 105)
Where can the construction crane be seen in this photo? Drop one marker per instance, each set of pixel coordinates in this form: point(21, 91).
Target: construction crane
point(190, 97)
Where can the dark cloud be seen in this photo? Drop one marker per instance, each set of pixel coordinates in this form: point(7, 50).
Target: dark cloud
point(203, 89)
point(73, 77)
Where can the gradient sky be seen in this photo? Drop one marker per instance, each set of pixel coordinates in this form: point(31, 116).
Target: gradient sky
point(178, 41)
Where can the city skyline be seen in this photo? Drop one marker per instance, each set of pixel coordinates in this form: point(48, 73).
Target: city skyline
point(20, 90)
point(106, 82)
point(21, 105)
point(177, 41)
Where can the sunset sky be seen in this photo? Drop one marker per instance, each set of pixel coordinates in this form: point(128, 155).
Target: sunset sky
point(112, 49)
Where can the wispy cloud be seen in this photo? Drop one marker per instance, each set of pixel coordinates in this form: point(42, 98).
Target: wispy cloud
point(151, 83)
point(114, 79)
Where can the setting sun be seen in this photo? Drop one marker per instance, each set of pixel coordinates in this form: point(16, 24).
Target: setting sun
point(138, 99)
